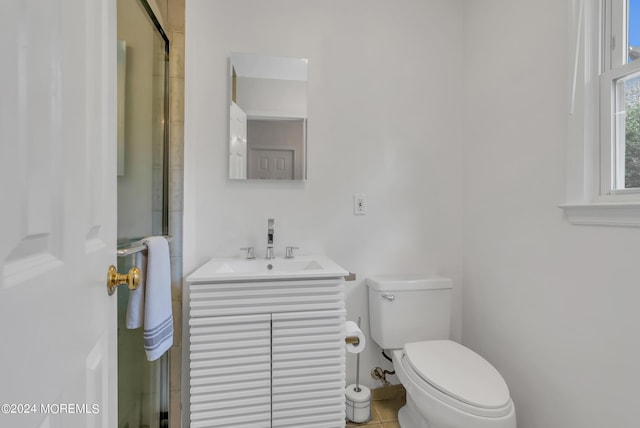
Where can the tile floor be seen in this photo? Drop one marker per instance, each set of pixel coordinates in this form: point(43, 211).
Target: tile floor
point(385, 404)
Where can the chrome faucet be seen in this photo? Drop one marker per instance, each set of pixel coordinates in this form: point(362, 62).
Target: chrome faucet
point(270, 227)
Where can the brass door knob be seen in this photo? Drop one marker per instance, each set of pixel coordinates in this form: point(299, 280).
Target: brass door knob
point(131, 279)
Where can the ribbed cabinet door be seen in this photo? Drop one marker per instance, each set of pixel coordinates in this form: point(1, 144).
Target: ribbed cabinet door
point(231, 371)
point(308, 369)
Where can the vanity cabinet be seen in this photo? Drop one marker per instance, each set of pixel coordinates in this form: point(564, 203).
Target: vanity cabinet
point(267, 354)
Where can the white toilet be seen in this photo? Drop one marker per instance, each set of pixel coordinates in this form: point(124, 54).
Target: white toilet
point(448, 385)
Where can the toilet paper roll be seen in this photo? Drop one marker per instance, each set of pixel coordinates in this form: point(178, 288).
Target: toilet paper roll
point(352, 329)
point(358, 400)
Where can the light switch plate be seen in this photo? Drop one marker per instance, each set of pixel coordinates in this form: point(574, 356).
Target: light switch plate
point(359, 204)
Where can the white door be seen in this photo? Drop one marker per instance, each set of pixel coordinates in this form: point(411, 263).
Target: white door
point(238, 142)
point(58, 357)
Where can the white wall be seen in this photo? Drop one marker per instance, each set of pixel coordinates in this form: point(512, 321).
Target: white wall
point(553, 306)
point(384, 120)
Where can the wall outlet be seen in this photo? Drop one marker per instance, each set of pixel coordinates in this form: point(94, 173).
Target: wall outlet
point(359, 204)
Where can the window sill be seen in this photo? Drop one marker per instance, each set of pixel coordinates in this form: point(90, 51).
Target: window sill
point(625, 214)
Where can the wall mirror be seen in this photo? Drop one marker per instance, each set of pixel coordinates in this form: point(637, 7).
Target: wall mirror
point(267, 117)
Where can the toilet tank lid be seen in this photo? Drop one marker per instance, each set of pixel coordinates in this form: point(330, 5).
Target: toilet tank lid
point(407, 282)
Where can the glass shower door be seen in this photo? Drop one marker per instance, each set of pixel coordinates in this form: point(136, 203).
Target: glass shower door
point(143, 54)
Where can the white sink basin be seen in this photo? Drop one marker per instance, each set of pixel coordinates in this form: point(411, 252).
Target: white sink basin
point(266, 266)
point(237, 269)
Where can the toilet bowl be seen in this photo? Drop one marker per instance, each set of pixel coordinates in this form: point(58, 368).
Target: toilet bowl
point(448, 385)
point(475, 396)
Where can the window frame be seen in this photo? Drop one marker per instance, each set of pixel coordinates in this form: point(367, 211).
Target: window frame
point(614, 67)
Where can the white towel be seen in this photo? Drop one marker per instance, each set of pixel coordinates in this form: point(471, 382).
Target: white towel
point(154, 291)
point(135, 306)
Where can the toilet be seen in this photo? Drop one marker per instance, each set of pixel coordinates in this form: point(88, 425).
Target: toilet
point(448, 385)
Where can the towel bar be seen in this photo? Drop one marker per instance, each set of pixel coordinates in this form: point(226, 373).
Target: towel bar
point(137, 246)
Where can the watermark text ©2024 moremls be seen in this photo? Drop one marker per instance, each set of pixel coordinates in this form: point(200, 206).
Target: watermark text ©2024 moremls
point(49, 409)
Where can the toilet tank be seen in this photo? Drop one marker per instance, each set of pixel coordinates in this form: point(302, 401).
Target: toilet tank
point(408, 308)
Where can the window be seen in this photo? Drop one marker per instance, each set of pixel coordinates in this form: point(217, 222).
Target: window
point(603, 158)
point(620, 99)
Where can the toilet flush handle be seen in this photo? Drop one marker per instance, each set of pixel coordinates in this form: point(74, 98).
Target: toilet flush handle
point(389, 297)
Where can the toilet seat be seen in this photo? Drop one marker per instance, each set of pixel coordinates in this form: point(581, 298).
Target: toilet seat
point(458, 376)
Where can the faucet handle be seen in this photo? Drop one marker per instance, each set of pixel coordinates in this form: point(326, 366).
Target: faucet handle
point(289, 252)
point(269, 254)
point(250, 252)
